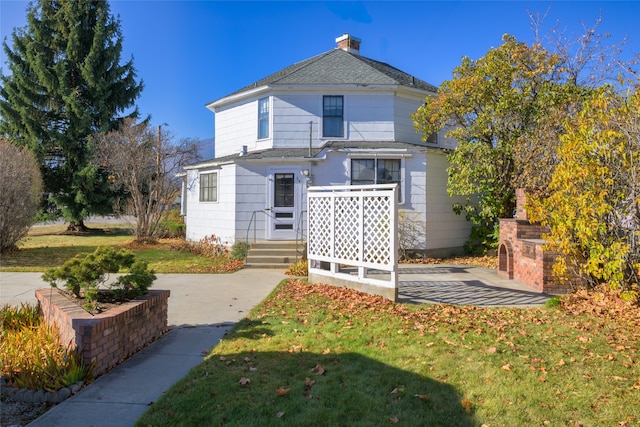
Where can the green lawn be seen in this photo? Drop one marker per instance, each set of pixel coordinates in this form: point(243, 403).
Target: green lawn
point(47, 247)
point(312, 355)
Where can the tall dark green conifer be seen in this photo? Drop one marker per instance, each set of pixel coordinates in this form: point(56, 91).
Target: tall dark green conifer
point(66, 83)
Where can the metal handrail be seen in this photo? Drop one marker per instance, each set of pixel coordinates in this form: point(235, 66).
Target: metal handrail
point(300, 236)
point(299, 232)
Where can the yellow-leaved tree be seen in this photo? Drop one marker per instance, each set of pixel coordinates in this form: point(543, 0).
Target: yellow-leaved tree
point(592, 203)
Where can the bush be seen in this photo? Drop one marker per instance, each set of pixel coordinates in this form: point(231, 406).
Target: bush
point(172, 225)
point(239, 250)
point(298, 269)
point(83, 275)
point(21, 190)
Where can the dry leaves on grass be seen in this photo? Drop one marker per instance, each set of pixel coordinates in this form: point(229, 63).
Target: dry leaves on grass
point(486, 261)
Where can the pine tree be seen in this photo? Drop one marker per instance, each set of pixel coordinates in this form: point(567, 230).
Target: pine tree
point(67, 83)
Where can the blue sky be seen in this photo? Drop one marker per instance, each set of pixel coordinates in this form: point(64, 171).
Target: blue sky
point(189, 53)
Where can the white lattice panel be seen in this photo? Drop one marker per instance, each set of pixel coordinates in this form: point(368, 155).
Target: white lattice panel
point(348, 225)
point(353, 225)
point(320, 226)
point(377, 230)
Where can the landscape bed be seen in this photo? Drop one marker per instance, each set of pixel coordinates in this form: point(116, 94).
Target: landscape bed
point(107, 338)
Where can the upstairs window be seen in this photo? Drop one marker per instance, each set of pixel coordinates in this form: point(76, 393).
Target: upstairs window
point(263, 118)
point(209, 187)
point(332, 116)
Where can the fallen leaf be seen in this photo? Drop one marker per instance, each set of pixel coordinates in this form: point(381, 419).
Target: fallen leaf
point(246, 359)
point(542, 379)
point(244, 381)
point(560, 362)
point(326, 351)
point(318, 369)
point(283, 391)
point(492, 350)
point(308, 382)
point(467, 405)
point(280, 414)
point(429, 344)
point(394, 420)
point(424, 397)
point(506, 367)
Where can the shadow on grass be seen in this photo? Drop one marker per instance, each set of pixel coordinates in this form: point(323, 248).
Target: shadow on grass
point(351, 390)
point(251, 329)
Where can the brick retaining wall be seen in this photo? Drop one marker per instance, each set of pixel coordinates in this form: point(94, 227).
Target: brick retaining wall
point(106, 338)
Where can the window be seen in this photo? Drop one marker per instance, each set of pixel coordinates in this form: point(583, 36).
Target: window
point(263, 118)
point(283, 190)
point(209, 187)
point(376, 171)
point(332, 116)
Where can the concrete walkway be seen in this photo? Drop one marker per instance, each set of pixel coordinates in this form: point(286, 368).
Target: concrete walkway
point(202, 308)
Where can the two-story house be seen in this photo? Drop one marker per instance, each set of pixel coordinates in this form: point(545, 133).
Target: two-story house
point(337, 118)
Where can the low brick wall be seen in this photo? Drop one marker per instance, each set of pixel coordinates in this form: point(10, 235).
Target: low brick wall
point(105, 339)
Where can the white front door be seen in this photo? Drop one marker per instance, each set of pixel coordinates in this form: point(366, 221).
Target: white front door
point(284, 204)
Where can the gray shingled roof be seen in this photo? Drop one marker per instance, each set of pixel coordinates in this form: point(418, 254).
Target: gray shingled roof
point(339, 67)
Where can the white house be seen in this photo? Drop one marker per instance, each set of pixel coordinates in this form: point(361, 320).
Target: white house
point(337, 118)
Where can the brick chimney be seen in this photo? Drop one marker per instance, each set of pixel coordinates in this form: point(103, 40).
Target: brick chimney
point(349, 43)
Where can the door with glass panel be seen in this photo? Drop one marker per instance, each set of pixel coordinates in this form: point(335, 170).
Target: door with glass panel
point(282, 213)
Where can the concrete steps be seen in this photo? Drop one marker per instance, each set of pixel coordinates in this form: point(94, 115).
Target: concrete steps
point(273, 254)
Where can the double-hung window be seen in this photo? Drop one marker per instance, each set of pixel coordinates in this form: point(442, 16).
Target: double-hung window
point(333, 116)
point(263, 118)
point(376, 171)
point(209, 187)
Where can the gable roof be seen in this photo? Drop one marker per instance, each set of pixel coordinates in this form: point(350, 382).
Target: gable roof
point(339, 67)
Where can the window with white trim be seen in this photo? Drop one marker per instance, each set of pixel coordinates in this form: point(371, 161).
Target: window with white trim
point(333, 116)
point(377, 171)
point(263, 118)
point(209, 187)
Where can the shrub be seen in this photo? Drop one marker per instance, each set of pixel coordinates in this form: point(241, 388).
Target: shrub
point(172, 224)
point(83, 275)
point(21, 190)
point(299, 269)
point(239, 250)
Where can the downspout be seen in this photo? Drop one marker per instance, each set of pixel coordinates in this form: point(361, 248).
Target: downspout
point(310, 136)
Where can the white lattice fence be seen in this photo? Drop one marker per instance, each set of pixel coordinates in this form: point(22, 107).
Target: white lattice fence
point(353, 229)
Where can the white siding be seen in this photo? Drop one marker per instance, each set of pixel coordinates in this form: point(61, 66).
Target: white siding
point(211, 218)
point(403, 109)
point(252, 197)
point(236, 126)
point(367, 116)
point(445, 229)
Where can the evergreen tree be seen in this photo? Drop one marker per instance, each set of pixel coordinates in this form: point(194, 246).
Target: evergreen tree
point(67, 83)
